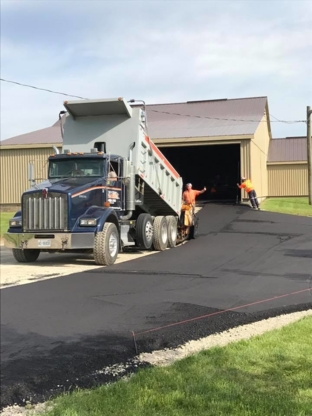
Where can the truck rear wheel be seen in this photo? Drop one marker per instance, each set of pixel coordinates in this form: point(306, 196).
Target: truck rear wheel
point(106, 244)
point(25, 256)
point(160, 237)
point(172, 224)
point(144, 231)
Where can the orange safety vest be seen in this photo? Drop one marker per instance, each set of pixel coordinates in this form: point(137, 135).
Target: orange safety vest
point(189, 196)
point(247, 185)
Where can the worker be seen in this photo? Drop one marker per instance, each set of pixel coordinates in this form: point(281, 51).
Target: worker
point(112, 177)
point(189, 195)
point(188, 206)
point(248, 186)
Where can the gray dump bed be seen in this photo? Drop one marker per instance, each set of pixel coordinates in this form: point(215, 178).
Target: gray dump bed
point(115, 123)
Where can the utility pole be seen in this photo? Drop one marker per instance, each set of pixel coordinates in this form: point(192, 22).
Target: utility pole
point(309, 112)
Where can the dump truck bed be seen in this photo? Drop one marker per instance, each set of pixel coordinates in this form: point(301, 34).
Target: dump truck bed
point(116, 125)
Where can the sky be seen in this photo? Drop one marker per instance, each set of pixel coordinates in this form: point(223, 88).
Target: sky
point(158, 51)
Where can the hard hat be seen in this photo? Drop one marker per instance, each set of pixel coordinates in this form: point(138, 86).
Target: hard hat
point(243, 178)
point(189, 184)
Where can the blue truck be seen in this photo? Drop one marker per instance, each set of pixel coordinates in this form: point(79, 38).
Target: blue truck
point(109, 188)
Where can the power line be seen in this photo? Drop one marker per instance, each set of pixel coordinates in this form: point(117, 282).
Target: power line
point(286, 121)
point(42, 89)
point(164, 112)
point(227, 119)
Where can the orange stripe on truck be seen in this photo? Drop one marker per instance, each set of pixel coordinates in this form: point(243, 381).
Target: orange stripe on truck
point(95, 187)
point(162, 157)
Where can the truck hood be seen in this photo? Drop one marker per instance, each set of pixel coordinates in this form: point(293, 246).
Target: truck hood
point(66, 185)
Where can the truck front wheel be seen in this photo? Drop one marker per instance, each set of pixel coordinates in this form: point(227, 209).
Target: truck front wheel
point(106, 245)
point(160, 237)
point(25, 256)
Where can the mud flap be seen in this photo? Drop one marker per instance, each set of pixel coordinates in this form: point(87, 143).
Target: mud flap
point(194, 228)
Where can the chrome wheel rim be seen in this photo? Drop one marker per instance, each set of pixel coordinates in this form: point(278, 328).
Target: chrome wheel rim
point(164, 233)
point(149, 231)
point(173, 233)
point(113, 244)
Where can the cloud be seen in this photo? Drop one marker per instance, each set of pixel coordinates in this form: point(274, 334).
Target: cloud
point(157, 51)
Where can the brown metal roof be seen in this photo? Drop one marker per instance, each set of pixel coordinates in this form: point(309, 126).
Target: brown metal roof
point(289, 149)
point(180, 120)
point(205, 118)
point(50, 135)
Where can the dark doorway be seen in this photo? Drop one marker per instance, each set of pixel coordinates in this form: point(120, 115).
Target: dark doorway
point(215, 166)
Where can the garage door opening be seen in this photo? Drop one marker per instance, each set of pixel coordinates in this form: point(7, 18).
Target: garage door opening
point(215, 166)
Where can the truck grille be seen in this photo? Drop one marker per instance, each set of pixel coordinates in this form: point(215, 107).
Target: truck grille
point(41, 213)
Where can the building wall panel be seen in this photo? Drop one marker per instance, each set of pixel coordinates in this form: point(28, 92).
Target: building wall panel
point(14, 171)
point(245, 162)
point(288, 179)
point(259, 150)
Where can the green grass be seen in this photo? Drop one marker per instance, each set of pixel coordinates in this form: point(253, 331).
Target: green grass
point(4, 221)
point(270, 375)
point(294, 206)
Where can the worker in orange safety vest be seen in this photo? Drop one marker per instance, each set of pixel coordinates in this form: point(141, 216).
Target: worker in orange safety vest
point(248, 186)
point(188, 206)
point(189, 196)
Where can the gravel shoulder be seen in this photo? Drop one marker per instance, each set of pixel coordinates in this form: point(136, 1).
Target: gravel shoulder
point(51, 266)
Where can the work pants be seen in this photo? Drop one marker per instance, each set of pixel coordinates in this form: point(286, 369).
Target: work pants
point(253, 199)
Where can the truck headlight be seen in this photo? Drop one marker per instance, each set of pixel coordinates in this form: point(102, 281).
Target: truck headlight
point(87, 222)
point(15, 223)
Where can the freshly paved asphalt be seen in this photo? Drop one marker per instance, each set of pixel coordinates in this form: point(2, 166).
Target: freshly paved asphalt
point(56, 334)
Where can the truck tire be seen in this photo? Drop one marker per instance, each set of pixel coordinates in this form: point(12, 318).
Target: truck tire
point(172, 230)
point(160, 237)
point(25, 256)
point(194, 229)
point(144, 231)
point(106, 245)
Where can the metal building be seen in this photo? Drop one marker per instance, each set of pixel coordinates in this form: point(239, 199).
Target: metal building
point(210, 143)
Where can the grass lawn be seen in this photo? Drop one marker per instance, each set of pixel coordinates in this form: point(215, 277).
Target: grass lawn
point(4, 221)
point(270, 375)
point(295, 206)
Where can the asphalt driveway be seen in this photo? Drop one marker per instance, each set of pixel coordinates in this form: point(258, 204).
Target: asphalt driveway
point(244, 266)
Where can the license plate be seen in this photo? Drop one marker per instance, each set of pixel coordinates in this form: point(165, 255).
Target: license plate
point(44, 243)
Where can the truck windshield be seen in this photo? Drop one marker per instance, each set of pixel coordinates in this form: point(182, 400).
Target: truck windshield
point(65, 168)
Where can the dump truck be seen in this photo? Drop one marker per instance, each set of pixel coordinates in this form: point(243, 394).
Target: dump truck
point(108, 189)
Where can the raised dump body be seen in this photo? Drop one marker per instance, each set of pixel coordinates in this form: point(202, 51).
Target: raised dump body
point(117, 129)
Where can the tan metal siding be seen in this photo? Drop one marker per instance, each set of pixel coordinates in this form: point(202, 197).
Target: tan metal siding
point(259, 151)
point(288, 180)
point(245, 162)
point(245, 158)
point(14, 171)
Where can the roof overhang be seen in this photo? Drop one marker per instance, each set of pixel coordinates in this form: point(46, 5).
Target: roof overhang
point(268, 118)
point(288, 162)
point(192, 141)
point(30, 146)
point(87, 108)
